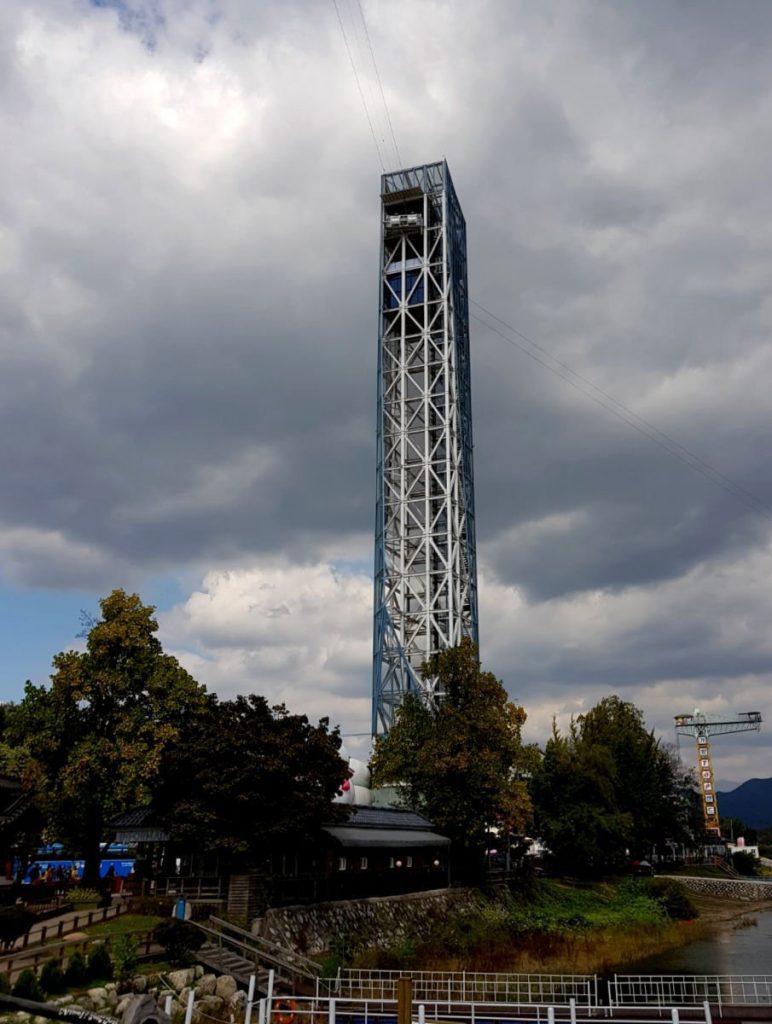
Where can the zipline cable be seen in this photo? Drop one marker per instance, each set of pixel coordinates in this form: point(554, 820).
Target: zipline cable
point(359, 86)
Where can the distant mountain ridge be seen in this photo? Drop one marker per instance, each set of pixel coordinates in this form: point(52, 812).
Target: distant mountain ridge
point(751, 802)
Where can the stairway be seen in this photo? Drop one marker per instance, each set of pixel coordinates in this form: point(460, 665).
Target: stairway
point(221, 960)
point(228, 949)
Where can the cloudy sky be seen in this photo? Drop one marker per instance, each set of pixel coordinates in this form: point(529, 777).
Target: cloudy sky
point(188, 278)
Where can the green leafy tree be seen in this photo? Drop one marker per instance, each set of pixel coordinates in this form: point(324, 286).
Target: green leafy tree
point(242, 776)
point(93, 740)
point(608, 790)
point(459, 760)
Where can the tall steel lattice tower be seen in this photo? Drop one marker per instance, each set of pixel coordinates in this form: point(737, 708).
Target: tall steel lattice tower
point(425, 558)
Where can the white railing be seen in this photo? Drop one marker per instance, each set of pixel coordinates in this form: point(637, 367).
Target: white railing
point(643, 990)
point(468, 987)
point(310, 1010)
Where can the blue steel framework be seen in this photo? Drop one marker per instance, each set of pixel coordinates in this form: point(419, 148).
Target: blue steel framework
point(425, 557)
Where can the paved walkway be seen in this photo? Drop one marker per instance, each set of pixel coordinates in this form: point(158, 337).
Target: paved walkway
point(64, 924)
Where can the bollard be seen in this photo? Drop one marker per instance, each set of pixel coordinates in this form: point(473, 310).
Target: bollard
point(550, 1015)
point(572, 1010)
point(331, 1012)
point(421, 1014)
point(674, 1015)
point(708, 1014)
point(404, 1001)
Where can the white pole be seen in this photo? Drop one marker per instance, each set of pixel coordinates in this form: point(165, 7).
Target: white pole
point(261, 1012)
point(250, 999)
point(674, 1015)
point(550, 1015)
point(168, 1006)
point(331, 1012)
point(572, 1010)
point(421, 1014)
point(189, 1009)
point(708, 1014)
point(269, 997)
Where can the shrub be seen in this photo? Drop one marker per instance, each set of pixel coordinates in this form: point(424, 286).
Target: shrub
point(124, 957)
point(27, 986)
point(676, 901)
point(14, 922)
point(745, 863)
point(180, 939)
point(5, 985)
point(76, 973)
point(81, 895)
point(99, 963)
point(52, 978)
point(152, 906)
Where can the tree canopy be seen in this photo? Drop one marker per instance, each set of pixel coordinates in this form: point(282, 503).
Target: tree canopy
point(91, 743)
point(242, 775)
point(608, 787)
point(459, 760)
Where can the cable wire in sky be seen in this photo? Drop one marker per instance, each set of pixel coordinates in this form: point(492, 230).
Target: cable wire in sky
point(380, 84)
point(620, 411)
point(359, 86)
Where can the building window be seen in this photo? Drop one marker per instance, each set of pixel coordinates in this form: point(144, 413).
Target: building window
point(408, 861)
point(391, 862)
point(342, 864)
point(363, 863)
point(708, 798)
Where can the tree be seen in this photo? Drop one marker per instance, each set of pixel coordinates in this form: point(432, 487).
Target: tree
point(459, 759)
point(93, 740)
point(608, 789)
point(242, 777)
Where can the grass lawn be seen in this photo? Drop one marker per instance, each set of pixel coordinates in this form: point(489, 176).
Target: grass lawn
point(124, 924)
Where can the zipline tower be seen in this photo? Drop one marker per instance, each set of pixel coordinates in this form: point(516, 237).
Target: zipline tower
point(702, 728)
point(425, 558)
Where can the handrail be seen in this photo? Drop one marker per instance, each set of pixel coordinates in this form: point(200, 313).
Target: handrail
point(256, 954)
point(268, 944)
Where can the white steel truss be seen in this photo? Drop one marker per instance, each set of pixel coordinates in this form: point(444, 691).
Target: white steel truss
point(425, 560)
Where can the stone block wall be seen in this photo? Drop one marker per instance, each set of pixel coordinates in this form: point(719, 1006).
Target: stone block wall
point(725, 888)
point(312, 929)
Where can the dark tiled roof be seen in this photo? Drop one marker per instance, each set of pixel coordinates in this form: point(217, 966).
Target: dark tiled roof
point(386, 817)
point(140, 817)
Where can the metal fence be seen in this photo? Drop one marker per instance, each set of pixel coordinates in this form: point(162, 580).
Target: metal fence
point(468, 986)
point(642, 990)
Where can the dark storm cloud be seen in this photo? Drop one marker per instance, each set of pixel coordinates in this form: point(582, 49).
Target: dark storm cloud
point(187, 326)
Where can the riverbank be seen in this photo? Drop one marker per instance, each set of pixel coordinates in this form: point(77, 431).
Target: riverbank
point(561, 928)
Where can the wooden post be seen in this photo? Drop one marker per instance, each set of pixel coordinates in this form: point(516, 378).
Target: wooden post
point(404, 1000)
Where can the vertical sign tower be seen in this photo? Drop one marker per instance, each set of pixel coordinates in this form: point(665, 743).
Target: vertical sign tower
point(701, 728)
point(425, 559)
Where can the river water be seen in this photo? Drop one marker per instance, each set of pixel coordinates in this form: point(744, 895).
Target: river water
point(746, 949)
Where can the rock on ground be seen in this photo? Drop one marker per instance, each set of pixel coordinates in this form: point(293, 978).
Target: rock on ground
point(206, 985)
point(225, 987)
point(180, 979)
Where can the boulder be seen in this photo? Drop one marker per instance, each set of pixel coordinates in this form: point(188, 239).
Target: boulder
point(225, 987)
point(206, 985)
point(64, 1000)
point(123, 1005)
point(199, 971)
point(180, 979)
point(238, 1001)
point(183, 997)
point(98, 996)
point(139, 984)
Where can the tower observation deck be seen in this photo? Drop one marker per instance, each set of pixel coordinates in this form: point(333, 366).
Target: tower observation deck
point(425, 558)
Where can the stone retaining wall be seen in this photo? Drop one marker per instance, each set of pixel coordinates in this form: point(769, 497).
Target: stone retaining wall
point(384, 919)
point(725, 888)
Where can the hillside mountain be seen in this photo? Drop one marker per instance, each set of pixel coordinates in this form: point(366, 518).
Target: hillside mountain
point(751, 802)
